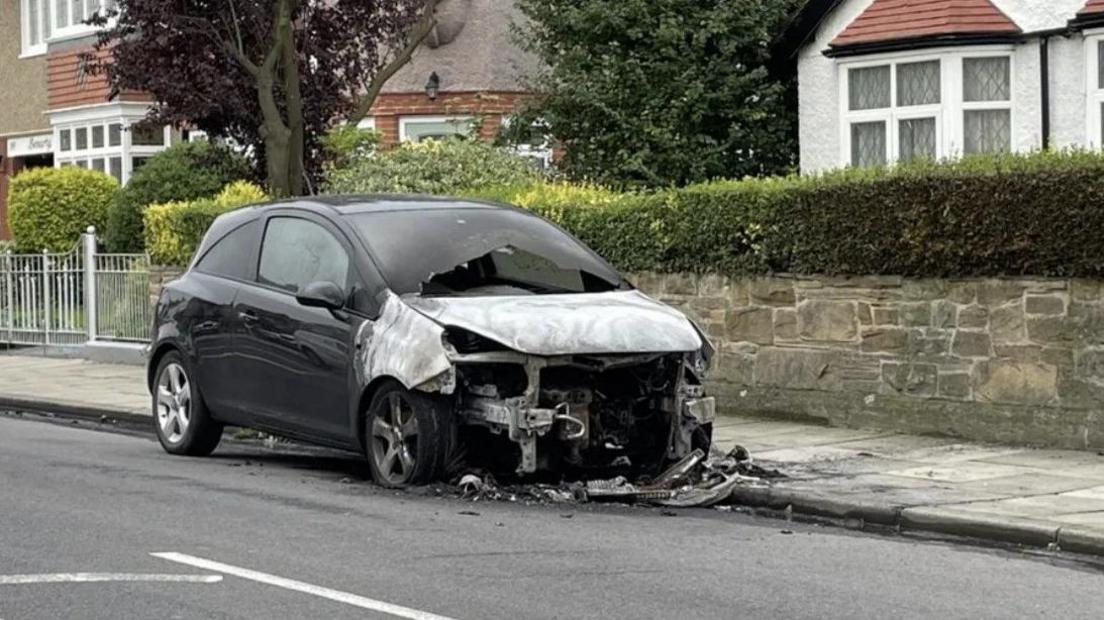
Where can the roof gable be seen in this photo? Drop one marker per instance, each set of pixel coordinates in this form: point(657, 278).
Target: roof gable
point(896, 20)
point(1092, 8)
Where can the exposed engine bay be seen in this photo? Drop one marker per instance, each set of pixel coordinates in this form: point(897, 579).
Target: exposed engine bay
point(584, 412)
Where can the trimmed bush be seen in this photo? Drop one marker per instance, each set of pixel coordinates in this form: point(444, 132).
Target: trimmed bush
point(185, 171)
point(174, 229)
point(432, 167)
point(50, 207)
point(1040, 214)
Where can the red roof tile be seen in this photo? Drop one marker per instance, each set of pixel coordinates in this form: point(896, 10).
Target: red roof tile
point(1093, 7)
point(894, 20)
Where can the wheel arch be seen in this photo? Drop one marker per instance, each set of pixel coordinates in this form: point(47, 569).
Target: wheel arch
point(366, 396)
point(155, 358)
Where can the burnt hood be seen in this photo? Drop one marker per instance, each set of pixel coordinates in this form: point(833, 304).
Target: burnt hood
point(588, 323)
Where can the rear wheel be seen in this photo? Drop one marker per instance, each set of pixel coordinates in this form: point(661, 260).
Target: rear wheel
point(180, 418)
point(408, 436)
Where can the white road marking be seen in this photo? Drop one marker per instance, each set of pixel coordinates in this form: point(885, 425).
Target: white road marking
point(299, 586)
point(17, 580)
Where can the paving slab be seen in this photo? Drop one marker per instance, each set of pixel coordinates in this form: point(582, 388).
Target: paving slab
point(73, 385)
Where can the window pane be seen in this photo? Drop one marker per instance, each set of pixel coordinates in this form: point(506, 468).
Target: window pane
point(147, 135)
point(986, 79)
point(115, 164)
point(1100, 65)
point(64, 140)
point(98, 164)
point(47, 25)
point(233, 256)
point(62, 13)
point(868, 144)
point(918, 83)
point(868, 88)
point(137, 163)
point(917, 139)
point(80, 137)
point(416, 131)
point(78, 12)
point(988, 131)
point(97, 136)
point(297, 252)
point(32, 22)
point(114, 134)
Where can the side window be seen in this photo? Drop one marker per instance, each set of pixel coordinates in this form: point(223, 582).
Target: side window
point(297, 252)
point(232, 256)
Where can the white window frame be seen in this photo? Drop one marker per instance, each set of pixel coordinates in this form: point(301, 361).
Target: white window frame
point(368, 122)
point(542, 153)
point(44, 28)
point(949, 113)
point(1094, 92)
point(74, 30)
point(122, 113)
point(405, 121)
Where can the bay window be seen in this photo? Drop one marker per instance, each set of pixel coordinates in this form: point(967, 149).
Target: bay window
point(925, 106)
point(113, 139)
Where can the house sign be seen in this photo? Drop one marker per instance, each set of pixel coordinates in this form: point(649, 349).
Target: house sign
point(42, 144)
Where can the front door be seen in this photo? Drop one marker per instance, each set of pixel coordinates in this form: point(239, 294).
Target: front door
point(295, 360)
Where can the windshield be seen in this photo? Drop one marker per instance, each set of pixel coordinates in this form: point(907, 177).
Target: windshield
point(480, 251)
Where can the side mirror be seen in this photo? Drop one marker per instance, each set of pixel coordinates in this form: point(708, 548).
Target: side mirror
point(321, 295)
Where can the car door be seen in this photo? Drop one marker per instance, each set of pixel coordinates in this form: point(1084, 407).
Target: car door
point(214, 283)
point(294, 361)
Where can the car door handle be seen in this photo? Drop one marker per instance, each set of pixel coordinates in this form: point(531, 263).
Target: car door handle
point(248, 317)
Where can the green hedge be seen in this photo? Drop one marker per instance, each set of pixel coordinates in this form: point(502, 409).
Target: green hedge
point(49, 208)
point(430, 167)
point(185, 171)
point(1039, 214)
point(174, 229)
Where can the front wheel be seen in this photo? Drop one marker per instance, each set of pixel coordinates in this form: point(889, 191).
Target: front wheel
point(180, 417)
point(408, 436)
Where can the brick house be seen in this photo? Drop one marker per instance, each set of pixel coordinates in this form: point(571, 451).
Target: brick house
point(465, 79)
point(882, 81)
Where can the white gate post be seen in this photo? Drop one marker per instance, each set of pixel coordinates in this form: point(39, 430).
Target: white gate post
point(46, 309)
point(9, 282)
point(89, 243)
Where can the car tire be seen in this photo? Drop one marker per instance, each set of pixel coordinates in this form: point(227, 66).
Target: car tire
point(180, 417)
point(408, 436)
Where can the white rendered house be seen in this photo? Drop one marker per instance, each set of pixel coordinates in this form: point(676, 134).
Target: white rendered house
point(883, 81)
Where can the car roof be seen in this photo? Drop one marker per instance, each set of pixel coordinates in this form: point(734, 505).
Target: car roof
point(351, 204)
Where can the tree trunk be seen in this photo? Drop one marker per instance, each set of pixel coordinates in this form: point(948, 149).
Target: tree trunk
point(294, 101)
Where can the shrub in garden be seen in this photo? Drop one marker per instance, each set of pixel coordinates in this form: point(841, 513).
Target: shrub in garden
point(174, 229)
point(184, 171)
point(432, 167)
point(48, 208)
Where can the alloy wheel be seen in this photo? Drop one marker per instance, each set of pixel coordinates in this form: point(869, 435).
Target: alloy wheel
point(395, 439)
point(174, 403)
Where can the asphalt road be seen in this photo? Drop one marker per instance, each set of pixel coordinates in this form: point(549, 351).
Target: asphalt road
point(300, 534)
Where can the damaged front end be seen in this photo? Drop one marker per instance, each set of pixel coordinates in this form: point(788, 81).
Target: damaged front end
point(583, 412)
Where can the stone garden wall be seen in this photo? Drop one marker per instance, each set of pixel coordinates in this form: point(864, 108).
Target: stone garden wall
point(1016, 360)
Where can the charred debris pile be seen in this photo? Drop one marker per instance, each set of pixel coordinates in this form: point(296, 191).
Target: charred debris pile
point(697, 480)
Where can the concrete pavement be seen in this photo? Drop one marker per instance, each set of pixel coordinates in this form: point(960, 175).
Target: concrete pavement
point(75, 500)
point(1046, 498)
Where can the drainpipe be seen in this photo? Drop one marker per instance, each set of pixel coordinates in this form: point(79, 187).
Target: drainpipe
point(1044, 70)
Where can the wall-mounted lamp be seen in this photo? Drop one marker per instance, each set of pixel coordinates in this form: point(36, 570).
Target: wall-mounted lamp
point(433, 86)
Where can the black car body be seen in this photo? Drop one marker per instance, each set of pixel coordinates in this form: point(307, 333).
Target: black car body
point(414, 329)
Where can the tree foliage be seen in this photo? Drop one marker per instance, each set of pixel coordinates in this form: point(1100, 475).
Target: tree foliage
point(658, 92)
point(184, 171)
point(271, 74)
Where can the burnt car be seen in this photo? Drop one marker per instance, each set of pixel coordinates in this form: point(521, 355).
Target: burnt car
point(423, 333)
